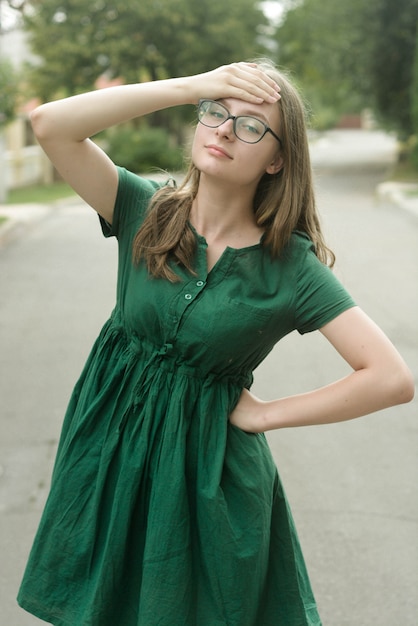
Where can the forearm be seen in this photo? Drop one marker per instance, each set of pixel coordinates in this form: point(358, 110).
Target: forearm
point(353, 396)
point(79, 117)
point(83, 116)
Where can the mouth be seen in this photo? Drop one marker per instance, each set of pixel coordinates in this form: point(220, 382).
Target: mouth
point(216, 150)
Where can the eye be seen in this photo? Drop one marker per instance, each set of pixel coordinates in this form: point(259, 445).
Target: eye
point(251, 125)
point(217, 114)
point(216, 111)
point(213, 113)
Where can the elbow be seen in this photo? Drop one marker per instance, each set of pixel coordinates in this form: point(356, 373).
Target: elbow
point(401, 388)
point(40, 124)
point(409, 388)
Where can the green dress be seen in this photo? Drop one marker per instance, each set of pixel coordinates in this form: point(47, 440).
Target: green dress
point(161, 513)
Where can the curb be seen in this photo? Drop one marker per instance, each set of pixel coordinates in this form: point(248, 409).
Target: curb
point(403, 195)
point(21, 216)
point(18, 217)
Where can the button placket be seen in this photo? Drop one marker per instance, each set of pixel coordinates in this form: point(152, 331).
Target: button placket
point(184, 298)
point(189, 295)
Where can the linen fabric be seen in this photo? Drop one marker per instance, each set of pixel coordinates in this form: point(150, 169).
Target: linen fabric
point(161, 513)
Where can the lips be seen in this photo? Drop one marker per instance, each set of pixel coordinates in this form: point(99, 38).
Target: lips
point(218, 151)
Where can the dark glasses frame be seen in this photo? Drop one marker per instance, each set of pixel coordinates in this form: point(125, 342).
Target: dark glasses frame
point(234, 119)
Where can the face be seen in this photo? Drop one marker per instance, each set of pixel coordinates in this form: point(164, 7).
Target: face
point(219, 153)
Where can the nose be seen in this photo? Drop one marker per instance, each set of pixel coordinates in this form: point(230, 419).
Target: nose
point(226, 129)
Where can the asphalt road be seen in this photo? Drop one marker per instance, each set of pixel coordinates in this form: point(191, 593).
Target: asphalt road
point(352, 486)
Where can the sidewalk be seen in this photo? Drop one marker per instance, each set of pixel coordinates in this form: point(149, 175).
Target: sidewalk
point(21, 216)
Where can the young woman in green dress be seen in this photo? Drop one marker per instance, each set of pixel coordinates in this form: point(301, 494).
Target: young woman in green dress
point(165, 505)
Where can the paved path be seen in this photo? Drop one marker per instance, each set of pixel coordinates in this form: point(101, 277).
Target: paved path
point(352, 486)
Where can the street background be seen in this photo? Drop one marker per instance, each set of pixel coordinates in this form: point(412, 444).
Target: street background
point(352, 487)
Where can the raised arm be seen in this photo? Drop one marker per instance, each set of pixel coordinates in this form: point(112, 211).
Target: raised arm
point(380, 379)
point(64, 127)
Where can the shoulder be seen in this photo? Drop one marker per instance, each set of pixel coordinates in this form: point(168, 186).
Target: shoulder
point(297, 254)
point(299, 244)
point(320, 296)
point(132, 200)
point(301, 255)
point(133, 187)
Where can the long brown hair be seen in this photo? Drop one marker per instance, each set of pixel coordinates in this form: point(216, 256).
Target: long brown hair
point(283, 202)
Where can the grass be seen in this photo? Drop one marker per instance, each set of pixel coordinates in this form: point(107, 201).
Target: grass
point(40, 194)
point(404, 172)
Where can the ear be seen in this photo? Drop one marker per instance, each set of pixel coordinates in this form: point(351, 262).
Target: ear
point(275, 166)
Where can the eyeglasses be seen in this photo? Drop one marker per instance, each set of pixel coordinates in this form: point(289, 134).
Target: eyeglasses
point(246, 128)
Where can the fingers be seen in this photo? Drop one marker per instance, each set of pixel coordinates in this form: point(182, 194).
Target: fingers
point(250, 83)
point(244, 81)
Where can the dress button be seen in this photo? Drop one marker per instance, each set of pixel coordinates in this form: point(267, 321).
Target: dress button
point(188, 296)
point(200, 283)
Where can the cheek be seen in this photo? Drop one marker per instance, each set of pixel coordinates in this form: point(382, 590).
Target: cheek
point(269, 158)
point(260, 160)
point(201, 135)
point(197, 143)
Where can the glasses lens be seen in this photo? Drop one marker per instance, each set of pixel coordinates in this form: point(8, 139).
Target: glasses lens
point(249, 129)
point(212, 113)
point(246, 128)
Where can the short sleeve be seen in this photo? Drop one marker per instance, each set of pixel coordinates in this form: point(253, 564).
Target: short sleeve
point(320, 295)
point(132, 199)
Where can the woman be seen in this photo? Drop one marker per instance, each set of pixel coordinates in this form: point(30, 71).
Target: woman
point(165, 506)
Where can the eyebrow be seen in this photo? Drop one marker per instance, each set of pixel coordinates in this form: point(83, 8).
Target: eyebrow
point(250, 112)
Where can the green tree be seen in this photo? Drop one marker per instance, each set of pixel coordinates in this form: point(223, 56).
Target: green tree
point(392, 62)
point(77, 42)
point(414, 108)
point(320, 41)
point(354, 54)
point(8, 92)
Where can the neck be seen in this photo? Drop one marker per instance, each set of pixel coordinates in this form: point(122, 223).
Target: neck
point(220, 211)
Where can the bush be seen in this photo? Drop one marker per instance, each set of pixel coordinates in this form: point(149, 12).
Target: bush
point(143, 148)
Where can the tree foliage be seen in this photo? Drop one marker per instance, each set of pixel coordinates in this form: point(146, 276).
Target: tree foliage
point(414, 109)
point(8, 92)
point(392, 62)
point(77, 42)
point(320, 42)
point(349, 55)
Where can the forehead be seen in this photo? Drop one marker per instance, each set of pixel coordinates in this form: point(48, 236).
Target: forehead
point(266, 111)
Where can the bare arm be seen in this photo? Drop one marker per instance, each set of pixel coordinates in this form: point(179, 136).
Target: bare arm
point(380, 379)
point(63, 128)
